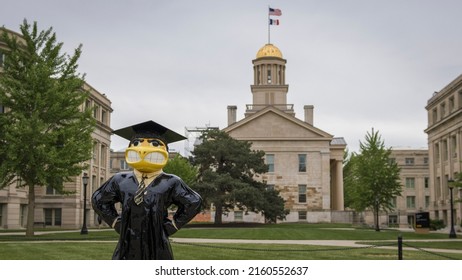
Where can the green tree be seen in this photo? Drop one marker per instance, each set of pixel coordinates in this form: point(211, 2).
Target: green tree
point(181, 167)
point(457, 184)
point(371, 178)
point(347, 169)
point(45, 136)
point(227, 172)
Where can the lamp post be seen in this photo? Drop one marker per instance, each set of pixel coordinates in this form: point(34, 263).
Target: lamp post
point(452, 233)
point(85, 183)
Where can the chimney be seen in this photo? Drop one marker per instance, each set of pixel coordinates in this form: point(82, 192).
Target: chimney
point(232, 109)
point(309, 114)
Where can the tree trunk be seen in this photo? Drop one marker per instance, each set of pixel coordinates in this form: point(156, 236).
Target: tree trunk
point(376, 218)
point(30, 212)
point(218, 214)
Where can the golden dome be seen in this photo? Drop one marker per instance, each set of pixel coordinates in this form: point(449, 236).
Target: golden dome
point(269, 50)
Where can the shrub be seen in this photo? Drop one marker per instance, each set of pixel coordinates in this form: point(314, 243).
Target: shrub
point(436, 224)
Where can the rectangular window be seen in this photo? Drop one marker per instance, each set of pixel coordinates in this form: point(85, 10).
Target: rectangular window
point(393, 202)
point(94, 182)
point(302, 215)
point(2, 58)
point(48, 216)
point(270, 187)
point(437, 187)
point(427, 182)
point(443, 110)
point(50, 191)
point(434, 116)
point(52, 216)
point(238, 216)
point(95, 112)
point(425, 160)
point(460, 99)
point(95, 153)
point(451, 104)
point(410, 183)
point(23, 215)
point(57, 217)
point(437, 153)
point(302, 163)
point(103, 156)
point(270, 162)
point(87, 104)
point(1, 214)
point(123, 165)
point(19, 182)
point(427, 201)
point(410, 202)
point(393, 220)
point(454, 146)
point(445, 150)
point(103, 116)
point(410, 220)
point(409, 161)
point(302, 193)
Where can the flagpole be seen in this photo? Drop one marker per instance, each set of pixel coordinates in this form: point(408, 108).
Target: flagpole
point(268, 22)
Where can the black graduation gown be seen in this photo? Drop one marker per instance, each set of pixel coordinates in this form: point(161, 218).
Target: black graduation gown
point(144, 228)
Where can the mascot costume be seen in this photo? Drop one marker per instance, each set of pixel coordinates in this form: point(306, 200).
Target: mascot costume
point(145, 194)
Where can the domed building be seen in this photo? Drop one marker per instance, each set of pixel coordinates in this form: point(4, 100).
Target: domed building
point(269, 50)
point(305, 162)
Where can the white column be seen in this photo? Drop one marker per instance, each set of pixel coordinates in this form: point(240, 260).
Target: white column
point(339, 186)
point(325, 181)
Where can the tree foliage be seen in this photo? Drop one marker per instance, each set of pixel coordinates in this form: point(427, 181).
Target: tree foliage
point(228, 169)
point(371, 179)
point(45, 135)
point(181, 167)
point(457, 184)
point(348, 198)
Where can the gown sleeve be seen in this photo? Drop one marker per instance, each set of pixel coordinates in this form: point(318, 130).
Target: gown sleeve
point(188, 202)
point(104, 200)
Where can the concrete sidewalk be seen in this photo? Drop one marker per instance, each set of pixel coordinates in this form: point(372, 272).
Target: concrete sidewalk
point(346, 243)
point(336, 243)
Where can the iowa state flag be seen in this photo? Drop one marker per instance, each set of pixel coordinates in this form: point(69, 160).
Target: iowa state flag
point(273, 22)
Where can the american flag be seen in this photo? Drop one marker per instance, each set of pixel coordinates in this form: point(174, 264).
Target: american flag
point(274, 12)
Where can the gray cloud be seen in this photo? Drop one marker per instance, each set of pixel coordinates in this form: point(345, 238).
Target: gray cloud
point(362, 64)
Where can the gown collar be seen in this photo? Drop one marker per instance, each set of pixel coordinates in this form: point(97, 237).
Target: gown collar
point(148, 177)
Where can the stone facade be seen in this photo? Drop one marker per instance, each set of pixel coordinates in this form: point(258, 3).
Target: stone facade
point(444, 131)
point(306, 163)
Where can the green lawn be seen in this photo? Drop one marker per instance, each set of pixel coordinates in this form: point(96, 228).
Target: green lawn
point(99, 245)
point(289, 231)
point(103, 251)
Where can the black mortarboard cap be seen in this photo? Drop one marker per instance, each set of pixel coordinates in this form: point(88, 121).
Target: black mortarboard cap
point(149, 129)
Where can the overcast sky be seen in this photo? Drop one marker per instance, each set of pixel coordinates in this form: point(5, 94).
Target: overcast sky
point(362, 64)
